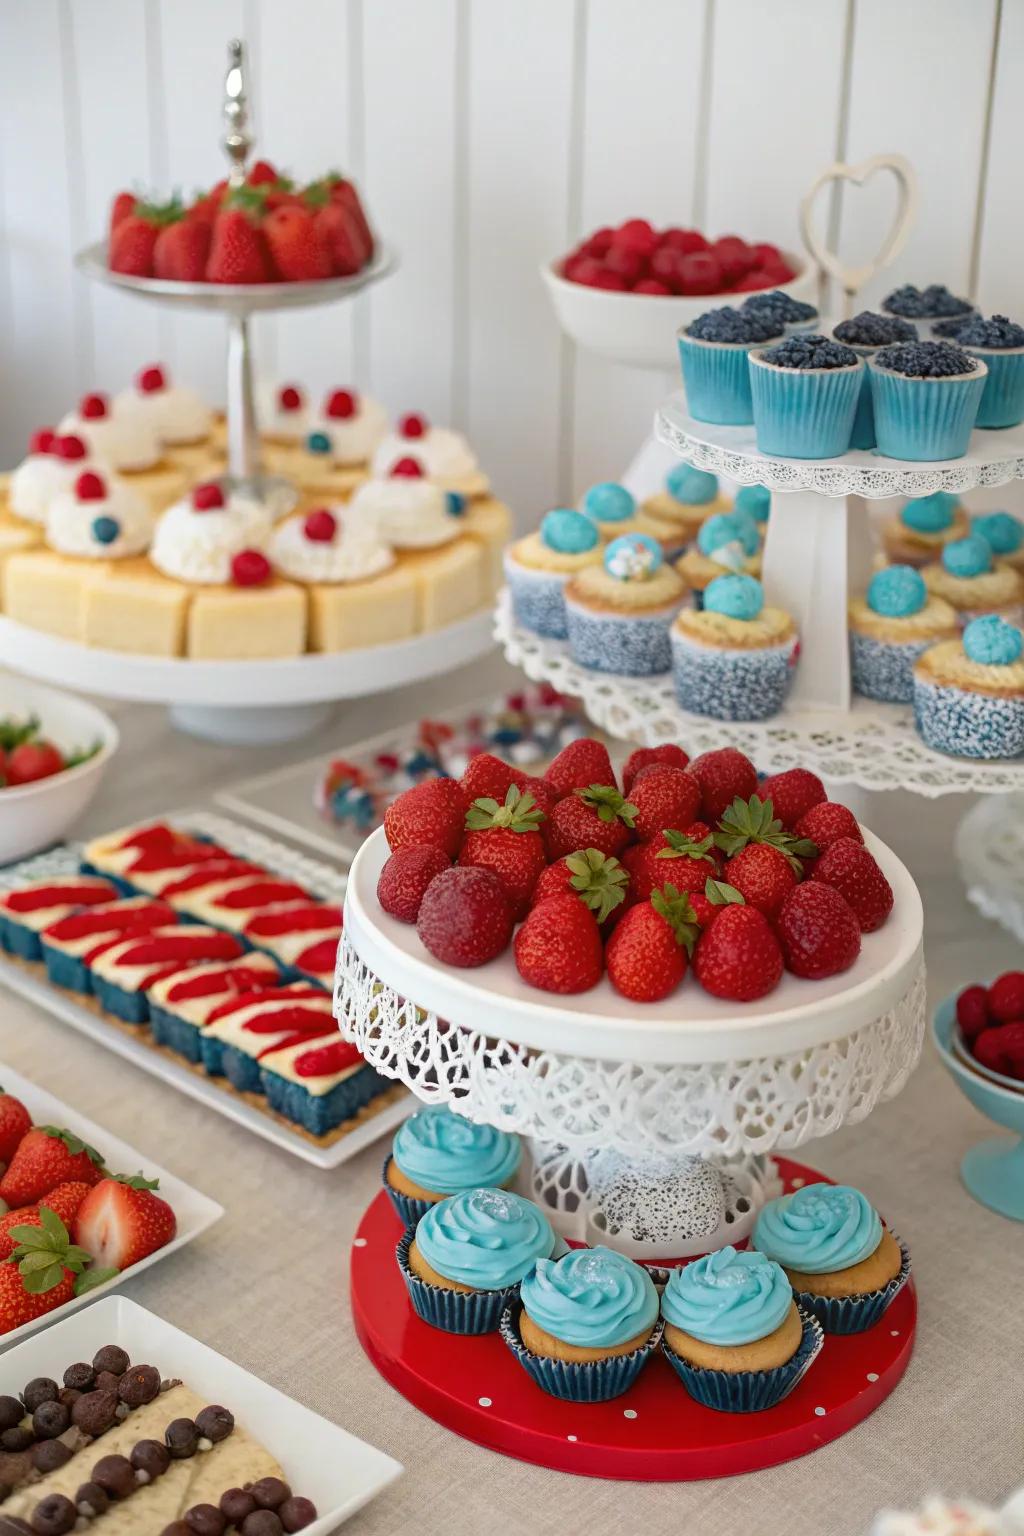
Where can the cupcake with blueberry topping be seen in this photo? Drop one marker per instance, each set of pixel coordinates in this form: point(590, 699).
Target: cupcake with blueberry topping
point(675, 514)
point(1004, 535)
point(844, 1265)
point(925, 397)
point(728, 541)
point(619, 612)
point(866, 333)
point(923, 527)
point(586, 1326)
point(792, 314)
point(999, 343)
point(970, 578)
point(969, 693)
point(611, 508)
point(735, 658)
point(805, 393)
point(101, 518)
point(437, 1153)
point(928, 307)
point(890, 627)
point(538, 567)
point(444, 456)
point(733, 1333)
point(713, 351)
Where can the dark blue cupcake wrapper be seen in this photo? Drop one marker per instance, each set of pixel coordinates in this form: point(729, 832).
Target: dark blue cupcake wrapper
point(467, 1312)
point(408, 1209)
point(855, 1314)
point(591, 1381)
point(749, 1391)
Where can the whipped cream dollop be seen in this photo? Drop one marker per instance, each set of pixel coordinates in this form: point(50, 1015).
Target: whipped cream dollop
point(176, 414)
point(327, 546)
point(99, 518)
point(408, 511)
point(353, 425)
point(282, 411)
point(43, 474)
point(125, 441)
point(197, 539)
point(442, 453)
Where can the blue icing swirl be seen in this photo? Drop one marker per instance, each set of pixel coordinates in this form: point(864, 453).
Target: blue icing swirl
point(593, 1298)
point(737, 597)
point(694, 487)
point(441, 1151)
point(728, 528)
point(609, 503)
point(971, 556)
point(818, 1229)
point(633, 557)
point(728, 1298)
point(992, 642)
point(897, 592)
point(930, 514)
point(568, 532)
point(484, 1238)
point(1002, 532)
point(754, 501)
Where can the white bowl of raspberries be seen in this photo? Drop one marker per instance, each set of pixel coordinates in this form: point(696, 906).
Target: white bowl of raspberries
point(624, 292)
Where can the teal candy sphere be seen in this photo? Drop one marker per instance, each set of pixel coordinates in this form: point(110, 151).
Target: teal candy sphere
point(105, 529)
point(633, 557)
point(1002, 532)
point(568, 532)
point(609, 503)
point(693, 487)
point(897, 592)
point(971, 556)
point(992, 642)
point(455, 504)
point(728, 528)
point(930, 514)
point(737, 597)
point(754, 501)
point(318, 442)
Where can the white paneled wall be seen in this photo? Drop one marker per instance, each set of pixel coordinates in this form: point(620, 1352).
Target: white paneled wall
point(487, 135)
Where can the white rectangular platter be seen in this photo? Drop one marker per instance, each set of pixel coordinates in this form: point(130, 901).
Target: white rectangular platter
point(195, 1213)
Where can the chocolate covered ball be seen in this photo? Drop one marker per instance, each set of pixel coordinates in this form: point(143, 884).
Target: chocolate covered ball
point(50, 1456)
point(150, 1457)
point(115, 1475)
point(81, 1376)
point(215, 1423)
point(54, 1516)
point(205, 1520)
point(269, 1492)
point(176, 1528)
point(236, 1503)
point(12, 1412)
point(111, 1358)
point(39, 1390)
point(107, 1381)
point(262, 1522)
point(50, 1419)
point(69, 1396)
point(92, 1501)
point(10, 1525)
point(296, 1513)
point(182, 1438)
point(139, 1384)
point(16, 1439)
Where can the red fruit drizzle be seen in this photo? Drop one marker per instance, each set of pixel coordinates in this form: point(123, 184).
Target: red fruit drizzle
point(245, 978)
point(336, 1057)
point(319, 958)
point(123, 918)
point(210, 874)
point(189, 944)
point(39, 897)
point(297, 1039)
point(293, 920)
point(262, 893)
point(267, 995)
point(184, 851)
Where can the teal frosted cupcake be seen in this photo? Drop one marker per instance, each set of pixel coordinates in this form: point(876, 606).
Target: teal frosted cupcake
point(463, 1261)
point(805, 394)
point(1004, 535)
point(891, 626)
point(437, 1153)
point(586, 1324)
point(999, 343)
point(755, 502)
point(969, 693)
point(538, 567)
point(713, 352)
point(729, 542)
point(619, 613)
point(733, 1333)
point(923, 527)
point(674, 515)
point(866, 333)
point(611, 508)
point(925, 396)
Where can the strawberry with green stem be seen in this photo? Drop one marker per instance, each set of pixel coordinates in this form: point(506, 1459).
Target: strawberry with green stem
point(755, 821)
point(685, 859)
point(505, 838)
point(647, 955)
point(597, 879)
point(44, 1271)
point(595, 817)
point(45, 1158)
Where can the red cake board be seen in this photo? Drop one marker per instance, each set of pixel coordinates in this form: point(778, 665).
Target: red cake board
point(655, 1432)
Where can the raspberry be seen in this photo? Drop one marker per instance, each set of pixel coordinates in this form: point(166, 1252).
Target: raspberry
point(408, 469)
point(972, 1013)
point(1006, 997)
point(207, 497)
point(341, 404)
point(320, 526)
point(701, 273)
point(151, 380)
point(250, 568)
point(90, 487)
point(1002, 1049)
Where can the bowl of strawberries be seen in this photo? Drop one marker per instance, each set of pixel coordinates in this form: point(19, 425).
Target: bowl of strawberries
point(624, 292)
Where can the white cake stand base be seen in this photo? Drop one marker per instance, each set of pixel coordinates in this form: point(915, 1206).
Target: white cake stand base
point(250, 727)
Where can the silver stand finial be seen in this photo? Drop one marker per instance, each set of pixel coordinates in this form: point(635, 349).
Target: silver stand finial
point(237, 140)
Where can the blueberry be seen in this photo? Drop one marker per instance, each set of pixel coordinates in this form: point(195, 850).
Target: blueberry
point(926, 360)
point(870, 330)
point(810, 351)
point(924, 303)
point(779, 306)
point(996, 332)
point(732, 325)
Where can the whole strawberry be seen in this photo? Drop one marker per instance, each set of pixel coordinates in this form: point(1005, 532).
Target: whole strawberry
point(763, 876)
point(645, 757)
point(183, 250)
point(854, 873)
point(432, 813)
point(723, 776)
point(486, 777)
point(558, 948)
point(664, 797)
point(792, 794)
point(465, 917)
point(503, 837)
point(44, 1270)
point(738, 956)
point(578, 765)
point(647, 954)
point(45, 1158)
point(133, 239)
point(298, 246)
point(679, 857)
point(1001, 1049)
point(825, 823)
point(972, 1012)
point(1006, 997)
point(15, 1122)
point(594, 878)
point(818, 931)
point(596, 817)
point(19, 1304)
point(122, 1221)
point(405, 877)
point(339, 235)
point(238, 251)
point(753, 821)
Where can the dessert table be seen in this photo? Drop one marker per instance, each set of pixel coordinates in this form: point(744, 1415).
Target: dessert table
point(269, 1286)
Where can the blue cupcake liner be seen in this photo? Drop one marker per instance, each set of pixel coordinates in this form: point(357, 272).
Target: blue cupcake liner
point(717, 381)
point(855, 1314)
point(923, 419)
point(319, 1113)
point(538, 600)
point(749, 1391)
point(132, 1007)
point(804, 413)
point(69, 972)
point(177, 1034)
point(466, 1312)
point(409, 1210)
point(1002, 399)
point(884, 669)
point(591, 1381)
point(734, 684)
point(631, 646)
point(968, 724)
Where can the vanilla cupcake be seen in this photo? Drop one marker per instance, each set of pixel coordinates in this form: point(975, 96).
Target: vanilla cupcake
point(51, 466)
point(735, 658)
point(179, 417)
point(620, 612)
point(328, 546)
point(355, 425)
point(675, 514)
point(611, 508)
point(443, 455)
point(890, 627)
point(283, 415)
point(969, 693)
point(127, 442)
point(101, 518)
point(538, 567)
point(922, 527)
point(727, 542)
point(408, 510)
point(197, 539)
point(970, 578)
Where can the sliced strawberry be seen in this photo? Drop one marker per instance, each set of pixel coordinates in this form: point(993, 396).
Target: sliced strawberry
point(122, 1221)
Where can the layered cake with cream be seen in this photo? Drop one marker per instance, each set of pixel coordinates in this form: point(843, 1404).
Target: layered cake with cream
point(28, 910)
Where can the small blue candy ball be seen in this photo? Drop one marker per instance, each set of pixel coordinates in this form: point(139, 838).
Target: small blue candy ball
point(737, 597)
point(567, 532)
point(693, 487)
point(1002, 532)
point(105, 529)
point(993, 642)
point(728, 528)
point(971, 556)
point(897, 592)
point(455, 505)
point(754, 501)
point(633, 557)
point(318, 442)
point(609, 503)
point(931, 514)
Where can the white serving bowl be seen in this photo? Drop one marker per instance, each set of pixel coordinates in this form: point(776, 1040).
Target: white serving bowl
point(640, 328)
point(32, 816)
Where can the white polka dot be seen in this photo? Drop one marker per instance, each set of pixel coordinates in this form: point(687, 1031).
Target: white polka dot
point(819, 1413)
point(572, 1438)
point(797, 1183)
point(629, 1413)
point(894, 1332)
point(359, 1242)
point(485, 1402)
point(872, 1375)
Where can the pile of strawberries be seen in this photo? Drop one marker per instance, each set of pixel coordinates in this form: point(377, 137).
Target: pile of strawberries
point(688, 866)
point(637, 258)
point(991, 1021)
point(267, 231)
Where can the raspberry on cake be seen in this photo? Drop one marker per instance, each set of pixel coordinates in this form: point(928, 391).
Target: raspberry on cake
point(127, 444)
point(181, 1003)
point(27, 910)
point(355, 424)
point(178, 415)
point(44, 472)
point(283, 414)
point(98, 518)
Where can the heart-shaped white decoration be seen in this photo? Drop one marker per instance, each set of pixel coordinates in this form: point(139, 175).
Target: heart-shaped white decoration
point(852, 279)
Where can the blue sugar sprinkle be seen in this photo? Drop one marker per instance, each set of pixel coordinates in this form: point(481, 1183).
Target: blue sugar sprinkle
point(966, 724)
point(884, 669)
point(632, 647)
point(537, 600)
point(731, 685)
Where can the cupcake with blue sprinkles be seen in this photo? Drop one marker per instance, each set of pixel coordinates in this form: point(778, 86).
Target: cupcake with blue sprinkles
point(463, 1261)
point(675, 514)
point(999, 343)
point(755, 502)
point(923, 527)
point(974, 582)
point(713, 351)
point(620, 612)
point(538, 567)
point(727, 542)
point(890, 627)
point(585, 1326)
point(437, 1153)
point(805, 393)
point(866, 333)
point(792, 314)
point(843, 1263)
point(735, 658)
point(928, 308)
point(969, 693)
point(734, 1334)
point(1004, 535)
point(925, 397)
point(611, 508)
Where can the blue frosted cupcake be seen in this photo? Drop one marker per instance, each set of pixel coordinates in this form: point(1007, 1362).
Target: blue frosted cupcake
point(1004, 535)
point(620, 612)
point(713, 351)
point(587, 1324)
point(755, 502)
point(735, 658)
point(866, 333)
point(792, 314)
point(733, 1333)
point(463, 1261)
point(845, 1267)
point(923, 527)
point(999, 343)
point(969, 693)
point(729, 542)
point(611, 508)
point(974, 582)
point(933, 310)
point(805, 394)
point(925, 396)
point(538, 567)
point(437, 1153)
point(675, 515)
point(890, 627)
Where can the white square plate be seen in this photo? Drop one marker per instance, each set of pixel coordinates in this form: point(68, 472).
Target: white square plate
point(339, 1472)
point(194, 1212)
